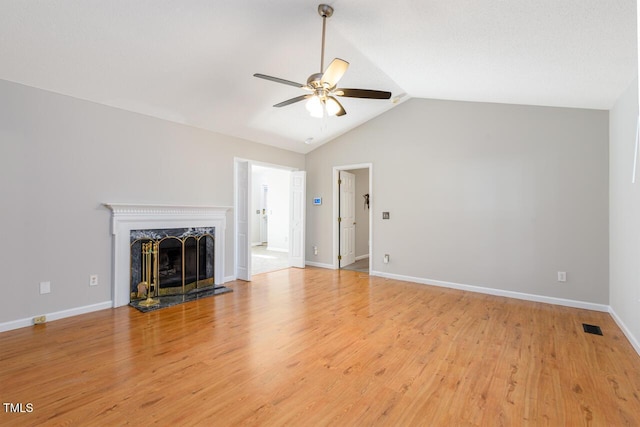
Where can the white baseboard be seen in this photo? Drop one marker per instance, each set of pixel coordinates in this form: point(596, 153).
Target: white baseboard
point(358, 258)
point(319, 264)
point(21, 323)
point(497, 292)
point(229, 279)
point(15, 324)
point(633, 340)
point(275, 249)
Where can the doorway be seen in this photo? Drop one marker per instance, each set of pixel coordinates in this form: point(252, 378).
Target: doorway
point(269, 216)
point(352, 230)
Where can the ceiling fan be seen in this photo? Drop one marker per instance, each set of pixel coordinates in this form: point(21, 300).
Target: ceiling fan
point(322, 86)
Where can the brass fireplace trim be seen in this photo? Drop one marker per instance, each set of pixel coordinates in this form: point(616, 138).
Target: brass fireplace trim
point(156, 281)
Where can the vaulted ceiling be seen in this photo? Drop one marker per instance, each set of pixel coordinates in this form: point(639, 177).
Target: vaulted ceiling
point(192, 61)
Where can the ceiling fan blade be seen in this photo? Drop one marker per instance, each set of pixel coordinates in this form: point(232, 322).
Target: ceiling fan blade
point(363, 93)
point(293, 100)
point(279, 80)
point(341, 111)
point(334, 72)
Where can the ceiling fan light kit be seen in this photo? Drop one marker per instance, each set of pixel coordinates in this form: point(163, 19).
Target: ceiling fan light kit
point(321, 101)
point(314, 107)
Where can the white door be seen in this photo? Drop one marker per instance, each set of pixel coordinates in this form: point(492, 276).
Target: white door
point(297, 219)
point(243, 223)
point(347, 218)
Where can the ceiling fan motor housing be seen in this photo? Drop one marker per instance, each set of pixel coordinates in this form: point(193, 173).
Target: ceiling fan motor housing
point(325, 10)
point(314, 80)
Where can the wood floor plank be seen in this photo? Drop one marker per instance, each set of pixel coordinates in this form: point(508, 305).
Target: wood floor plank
point(322, 347)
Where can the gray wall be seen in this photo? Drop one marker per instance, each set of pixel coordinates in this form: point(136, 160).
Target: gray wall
point(624, 256)
point(61, 158)
point(499, 196)
point(492, 195)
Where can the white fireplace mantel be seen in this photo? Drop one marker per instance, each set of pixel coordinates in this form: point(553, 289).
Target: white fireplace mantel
point(128, 217)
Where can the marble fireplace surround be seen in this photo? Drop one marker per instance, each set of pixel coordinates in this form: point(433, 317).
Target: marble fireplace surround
point(127, 217)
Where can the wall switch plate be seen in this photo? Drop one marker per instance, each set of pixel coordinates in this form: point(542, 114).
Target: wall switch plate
point(93, 280)
point(385, 215)
point(39, 320)
point(45, 287)
point(562, 276)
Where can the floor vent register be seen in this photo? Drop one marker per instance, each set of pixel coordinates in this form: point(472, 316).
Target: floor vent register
point(592, 329)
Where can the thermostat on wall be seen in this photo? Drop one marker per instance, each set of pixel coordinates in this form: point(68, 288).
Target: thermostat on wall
point(317, 200)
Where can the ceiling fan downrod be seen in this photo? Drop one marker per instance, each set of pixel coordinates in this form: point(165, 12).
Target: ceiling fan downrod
point(325, 11)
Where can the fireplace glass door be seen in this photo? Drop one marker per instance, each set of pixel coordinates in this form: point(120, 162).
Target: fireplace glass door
point(179, 261)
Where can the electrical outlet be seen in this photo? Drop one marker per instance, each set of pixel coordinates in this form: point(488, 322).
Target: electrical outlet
point(93, 280)
point(386, 259)
point(562, 276)
point(45, 287)
point(39, 320)
point(315, 250)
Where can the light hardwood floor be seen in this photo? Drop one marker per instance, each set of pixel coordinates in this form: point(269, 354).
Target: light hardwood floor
point(321, 347)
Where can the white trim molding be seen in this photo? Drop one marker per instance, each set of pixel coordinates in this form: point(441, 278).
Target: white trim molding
point(22, 323)
point(320, 265)
point(497, 292)
point(626, 331)
point(128, 217)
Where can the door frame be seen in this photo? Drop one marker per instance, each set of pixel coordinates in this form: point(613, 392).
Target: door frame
point(336, 210)
point(241, 265)
point(236, 239)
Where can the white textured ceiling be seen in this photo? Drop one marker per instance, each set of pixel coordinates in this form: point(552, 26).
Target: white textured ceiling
point(192, 61)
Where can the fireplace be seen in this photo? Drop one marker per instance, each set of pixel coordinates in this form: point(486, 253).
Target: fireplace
point(200, 229)
point(171, 261)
